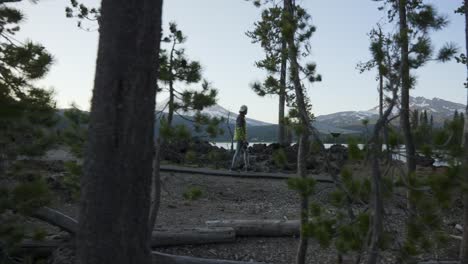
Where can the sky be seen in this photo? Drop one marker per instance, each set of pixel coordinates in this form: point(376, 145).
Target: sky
point(216, 37)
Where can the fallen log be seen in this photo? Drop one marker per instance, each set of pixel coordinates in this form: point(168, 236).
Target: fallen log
point(45, 249)
point(57, 219)
point(159, 257)
point(439, 262)
point(160, 237)
point(192, 236)
point(240, 174)
point(269, 228)
point(60, 220)
point(39, 248)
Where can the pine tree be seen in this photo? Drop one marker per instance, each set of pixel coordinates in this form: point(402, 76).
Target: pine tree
point(295, 31)
point(83, 14)
point(268, 33)
point(415, 20)
point(176, 67)
point(291, 26)
point(115, 187)
point(27, 117)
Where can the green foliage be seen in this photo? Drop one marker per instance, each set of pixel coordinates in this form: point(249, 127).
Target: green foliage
point(193, 193)
point(322, 230)
point(174, 67)
point(211, 126)
point(28, 192)
point(279, 158)
point(315, 147)
point(426, 150)
point(304, 186)
point(337, 198)
point(358, 188)
point(351, 236)
point(267, 33)
point(191, 157)
point(74, 135)
point(71, 179)
point(82, 13)
point(179, 132)
point(215, 157)
point(354, 152)
point(394, 139)
point(28, 196)
point(27, 117)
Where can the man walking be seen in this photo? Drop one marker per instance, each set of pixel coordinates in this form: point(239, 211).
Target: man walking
point(240, 136)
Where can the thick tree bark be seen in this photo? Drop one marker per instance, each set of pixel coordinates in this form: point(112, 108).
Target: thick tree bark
point(267, 228)
point(115, 187)
point(405, 88)
point(303, 149)
point(464, 245)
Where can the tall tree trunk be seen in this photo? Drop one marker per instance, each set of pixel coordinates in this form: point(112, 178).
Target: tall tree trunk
point(305, 131)
point(464, 247)
point(405, 88)
point(377, 200)
point(381, 112)
point(156, 187)
point(282, 95)
point(377, 207)
point(115, 187)
point(170, 114)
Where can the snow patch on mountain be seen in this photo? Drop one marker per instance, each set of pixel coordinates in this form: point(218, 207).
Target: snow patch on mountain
point(440, 109)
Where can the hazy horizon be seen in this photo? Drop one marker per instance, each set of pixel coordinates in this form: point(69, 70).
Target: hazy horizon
point(216, 37)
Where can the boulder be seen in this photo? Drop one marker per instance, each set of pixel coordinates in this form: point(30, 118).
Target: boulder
point(424, 161)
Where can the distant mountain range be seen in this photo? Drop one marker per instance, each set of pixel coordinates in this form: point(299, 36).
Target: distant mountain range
point(440, 109)
point(347, 122)
point(213, 111)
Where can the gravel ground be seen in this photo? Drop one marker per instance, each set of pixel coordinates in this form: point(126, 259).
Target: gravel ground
point(234, 198)
point(240, 198)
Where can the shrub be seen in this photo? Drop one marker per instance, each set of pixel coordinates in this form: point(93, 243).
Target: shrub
point(193, 193)
point(279, 158)
point(191, 157)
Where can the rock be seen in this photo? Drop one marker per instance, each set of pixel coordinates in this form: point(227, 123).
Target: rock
point(424, 161)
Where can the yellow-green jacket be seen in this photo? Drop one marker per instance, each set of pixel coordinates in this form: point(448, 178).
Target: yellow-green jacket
point(240, 133)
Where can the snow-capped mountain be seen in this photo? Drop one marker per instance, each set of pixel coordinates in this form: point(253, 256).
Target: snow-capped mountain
point(213, 111)
point(347, 121)
point(440, 109)
point(347, 118)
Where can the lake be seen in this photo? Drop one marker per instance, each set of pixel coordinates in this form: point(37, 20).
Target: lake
point(398, 156)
